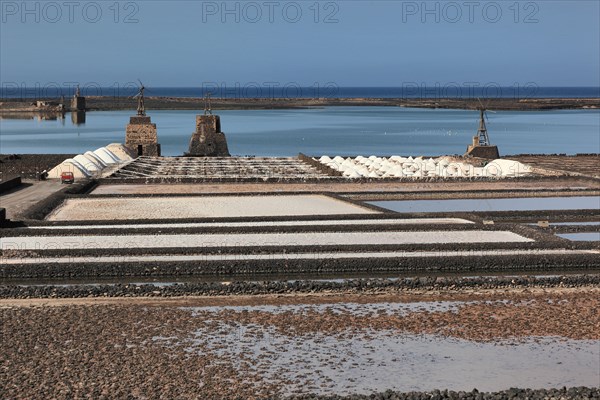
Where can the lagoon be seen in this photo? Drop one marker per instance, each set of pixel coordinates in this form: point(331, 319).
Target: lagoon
point(347, 131)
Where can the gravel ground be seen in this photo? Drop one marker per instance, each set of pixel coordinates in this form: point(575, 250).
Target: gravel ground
point(27, 166)
point(202, 207)
point(236, 348)
point(287, 256)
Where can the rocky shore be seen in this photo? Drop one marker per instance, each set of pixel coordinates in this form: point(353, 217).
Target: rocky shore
point(108, 103)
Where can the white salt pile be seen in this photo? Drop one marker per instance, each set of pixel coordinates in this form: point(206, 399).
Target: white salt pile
point(419, 167)
point(92, 162)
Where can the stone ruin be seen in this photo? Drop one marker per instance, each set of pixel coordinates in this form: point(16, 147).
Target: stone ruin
point(481, 146)
point(482, 151)
point(78, 101)
point(208, 140)
point(141, 137)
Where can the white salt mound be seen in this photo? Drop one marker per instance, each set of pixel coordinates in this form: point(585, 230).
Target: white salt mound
point(418, 167)
point(92, 162)
point(88, 164)
point(120, 151)
point(69, 165)
point(106, 156)
point(97, 159)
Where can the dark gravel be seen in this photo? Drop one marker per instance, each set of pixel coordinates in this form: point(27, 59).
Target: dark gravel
point(293, 287)
point(27, 166)
point(513, 393)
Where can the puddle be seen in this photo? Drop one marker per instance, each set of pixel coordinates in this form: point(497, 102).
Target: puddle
point(581, 236)
point(375, 360)
point(510, 204)
point(356, 309)
point(362, 361)
point(587, 223)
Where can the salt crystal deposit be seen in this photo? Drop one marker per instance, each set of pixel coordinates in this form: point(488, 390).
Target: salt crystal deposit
point(92, 162)
point(418, 167)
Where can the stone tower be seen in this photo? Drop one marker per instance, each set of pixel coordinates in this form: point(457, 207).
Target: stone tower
point(141, 137)
point(208, 140)
point(481, 146)
point(78, 101)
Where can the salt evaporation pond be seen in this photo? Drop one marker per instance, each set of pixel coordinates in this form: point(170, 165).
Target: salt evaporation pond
point(510, 204)
point(581, 236)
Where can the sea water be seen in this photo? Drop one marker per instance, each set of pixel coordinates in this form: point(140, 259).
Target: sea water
point(330, 131)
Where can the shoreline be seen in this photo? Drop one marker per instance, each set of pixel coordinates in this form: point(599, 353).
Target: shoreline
point(109, 103)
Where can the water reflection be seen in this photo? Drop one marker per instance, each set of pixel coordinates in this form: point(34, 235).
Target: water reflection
point(78, 117)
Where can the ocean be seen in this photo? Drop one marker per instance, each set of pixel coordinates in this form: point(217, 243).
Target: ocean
point(330, 131)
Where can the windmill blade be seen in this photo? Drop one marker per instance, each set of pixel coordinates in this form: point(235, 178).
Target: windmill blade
point(141, 84)
point(479, 100)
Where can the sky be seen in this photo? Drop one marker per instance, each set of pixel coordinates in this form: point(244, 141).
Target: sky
point(277, 43)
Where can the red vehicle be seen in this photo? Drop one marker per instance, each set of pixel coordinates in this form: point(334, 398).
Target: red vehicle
point(67, 177)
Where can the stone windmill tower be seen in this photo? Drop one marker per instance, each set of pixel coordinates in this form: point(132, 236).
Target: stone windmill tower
point(140, 135)
point(208, 140)
point(481, 146)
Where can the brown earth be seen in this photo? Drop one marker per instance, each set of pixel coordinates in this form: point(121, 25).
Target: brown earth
point(109, 350)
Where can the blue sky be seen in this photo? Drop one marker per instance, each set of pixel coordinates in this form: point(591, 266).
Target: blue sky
point(349, 43)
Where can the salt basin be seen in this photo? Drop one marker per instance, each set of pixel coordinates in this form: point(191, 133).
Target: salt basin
point(419, 167)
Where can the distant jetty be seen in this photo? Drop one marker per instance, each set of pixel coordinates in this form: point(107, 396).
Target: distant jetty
point(109, 103)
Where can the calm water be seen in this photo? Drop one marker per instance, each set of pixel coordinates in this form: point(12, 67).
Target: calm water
point(514, 204)
point(331, 131)
point(581, 236)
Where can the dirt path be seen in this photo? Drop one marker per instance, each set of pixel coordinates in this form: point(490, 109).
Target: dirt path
point(17, 201)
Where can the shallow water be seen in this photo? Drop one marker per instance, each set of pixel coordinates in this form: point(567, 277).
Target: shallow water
point(581, 236)
point(510, 204)
point(364, 361)
point(587, 223)
point(331, 130)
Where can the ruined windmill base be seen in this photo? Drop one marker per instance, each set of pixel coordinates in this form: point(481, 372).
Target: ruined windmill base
point(208, 140)
point(482, 151)
point(141, 137)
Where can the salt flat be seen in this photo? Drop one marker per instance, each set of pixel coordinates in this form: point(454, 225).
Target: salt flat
point(257, 239)
point(202, 207)
point(345, 222)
